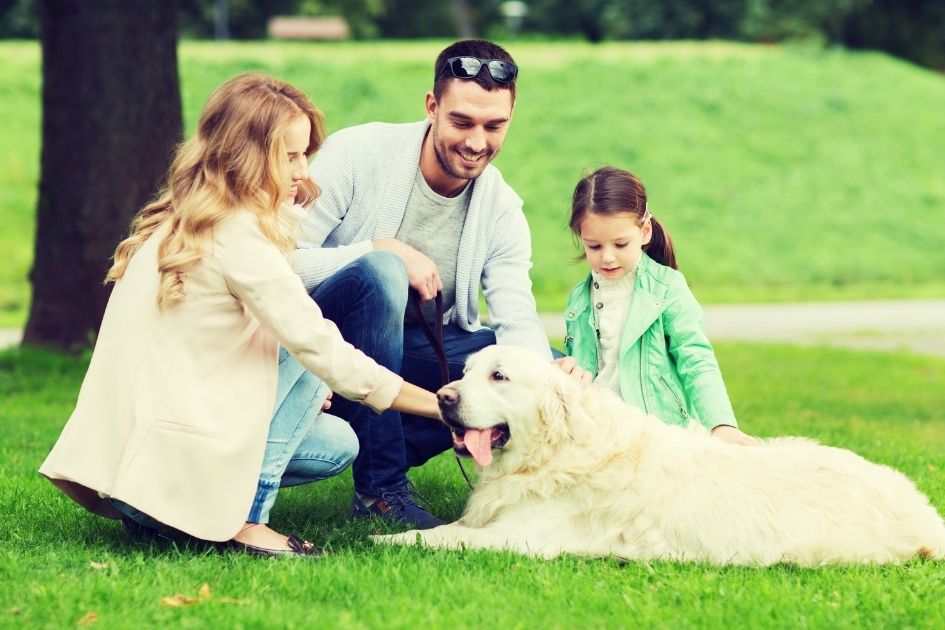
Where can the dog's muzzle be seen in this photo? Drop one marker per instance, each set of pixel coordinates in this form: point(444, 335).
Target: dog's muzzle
point(448, 398)
point(495, 436)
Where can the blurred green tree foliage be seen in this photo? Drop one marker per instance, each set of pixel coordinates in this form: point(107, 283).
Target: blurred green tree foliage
point(913, 29)
point(18, 19)
point(247, 19)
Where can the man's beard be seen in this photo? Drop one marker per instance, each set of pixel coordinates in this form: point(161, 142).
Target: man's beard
point(448, 168)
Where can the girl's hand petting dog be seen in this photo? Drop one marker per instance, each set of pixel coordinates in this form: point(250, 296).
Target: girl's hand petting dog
point(733, 436)
point(570, 367)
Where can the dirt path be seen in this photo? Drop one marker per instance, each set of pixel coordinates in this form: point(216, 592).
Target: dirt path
point(914, 325)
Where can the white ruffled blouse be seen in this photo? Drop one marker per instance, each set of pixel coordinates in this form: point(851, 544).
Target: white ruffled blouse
point(610, 301)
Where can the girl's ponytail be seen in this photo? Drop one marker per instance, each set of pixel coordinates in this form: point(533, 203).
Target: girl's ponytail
point(660, 247)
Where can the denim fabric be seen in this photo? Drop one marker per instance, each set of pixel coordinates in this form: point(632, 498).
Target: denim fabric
point(304, 444)
point(366, 299)
point(138, 516)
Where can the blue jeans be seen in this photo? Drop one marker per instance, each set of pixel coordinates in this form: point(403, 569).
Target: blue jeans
point(366, 299)
point(304, 444)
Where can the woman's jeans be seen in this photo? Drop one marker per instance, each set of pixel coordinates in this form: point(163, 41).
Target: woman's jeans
point(304, 444)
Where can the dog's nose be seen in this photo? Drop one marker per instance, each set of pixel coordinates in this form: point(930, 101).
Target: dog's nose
point(448, 396)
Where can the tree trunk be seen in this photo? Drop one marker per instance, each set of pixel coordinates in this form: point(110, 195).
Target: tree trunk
point(111, 119)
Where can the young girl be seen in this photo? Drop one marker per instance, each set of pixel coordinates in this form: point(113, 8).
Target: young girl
point(633, 323)
point(172, 419)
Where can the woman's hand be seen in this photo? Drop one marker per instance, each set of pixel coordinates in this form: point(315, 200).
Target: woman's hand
point(327, 404)
point(733, 436)
point(418, 401)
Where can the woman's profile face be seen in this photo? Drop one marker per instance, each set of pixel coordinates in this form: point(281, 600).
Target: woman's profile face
point(296, 142)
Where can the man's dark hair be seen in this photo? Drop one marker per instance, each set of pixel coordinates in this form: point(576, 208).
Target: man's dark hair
point(479, 48)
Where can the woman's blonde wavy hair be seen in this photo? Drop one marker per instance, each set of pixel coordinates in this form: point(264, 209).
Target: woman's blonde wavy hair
point(235, 160)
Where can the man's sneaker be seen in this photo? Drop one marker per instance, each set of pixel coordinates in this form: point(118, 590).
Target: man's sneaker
point(396, 507)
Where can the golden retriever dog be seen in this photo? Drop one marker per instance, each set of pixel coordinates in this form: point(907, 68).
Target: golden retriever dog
point(572, 469)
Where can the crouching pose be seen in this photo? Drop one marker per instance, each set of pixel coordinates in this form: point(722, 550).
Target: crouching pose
point(171, 424)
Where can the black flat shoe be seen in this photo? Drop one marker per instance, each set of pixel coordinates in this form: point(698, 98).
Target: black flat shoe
point(297, 547)
point(137, 530)
point(143, 533)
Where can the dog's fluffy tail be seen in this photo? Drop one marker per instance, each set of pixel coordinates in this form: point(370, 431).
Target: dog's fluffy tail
point(934, 550)
point(931, 554)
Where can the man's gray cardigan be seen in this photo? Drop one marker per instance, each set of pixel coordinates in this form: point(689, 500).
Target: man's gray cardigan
point(366, 173)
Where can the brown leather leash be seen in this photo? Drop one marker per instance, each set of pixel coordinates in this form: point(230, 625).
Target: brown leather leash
point(434, 335)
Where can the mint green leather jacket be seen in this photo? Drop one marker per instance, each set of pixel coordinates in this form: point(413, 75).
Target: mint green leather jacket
point(667, 366)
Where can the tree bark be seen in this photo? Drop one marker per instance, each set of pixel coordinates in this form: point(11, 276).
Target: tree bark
point(111, 120)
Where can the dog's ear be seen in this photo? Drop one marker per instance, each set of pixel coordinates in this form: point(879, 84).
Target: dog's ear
point(552, 408)
point(553, 411)
point(561, 412)
point(557, 408)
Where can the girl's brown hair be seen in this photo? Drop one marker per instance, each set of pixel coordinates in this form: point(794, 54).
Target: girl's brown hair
point(610, 190)
point(235, 160)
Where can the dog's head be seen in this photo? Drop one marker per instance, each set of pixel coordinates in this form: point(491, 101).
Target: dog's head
point(514, 402)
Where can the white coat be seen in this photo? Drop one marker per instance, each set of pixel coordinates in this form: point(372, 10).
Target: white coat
point(173, 414)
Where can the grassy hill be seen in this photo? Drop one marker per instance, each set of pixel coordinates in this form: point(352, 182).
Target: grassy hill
point(781, 173)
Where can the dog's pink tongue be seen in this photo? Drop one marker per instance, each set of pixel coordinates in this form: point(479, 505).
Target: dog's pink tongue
point(479, 444)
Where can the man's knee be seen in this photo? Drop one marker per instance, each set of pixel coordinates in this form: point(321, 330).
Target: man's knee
point(385, 273)
point(347, 449)
point(374, 285)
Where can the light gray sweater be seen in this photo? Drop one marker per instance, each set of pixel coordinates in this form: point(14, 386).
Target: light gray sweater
point(365, 174)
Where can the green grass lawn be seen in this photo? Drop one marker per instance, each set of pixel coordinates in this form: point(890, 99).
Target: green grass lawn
point(58, 563)
point(782, 173)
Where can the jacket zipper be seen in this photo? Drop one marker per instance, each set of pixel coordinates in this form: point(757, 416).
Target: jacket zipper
point(596, 326)
point(679, 404)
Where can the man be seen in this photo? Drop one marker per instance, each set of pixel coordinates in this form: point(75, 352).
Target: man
point(419, 206)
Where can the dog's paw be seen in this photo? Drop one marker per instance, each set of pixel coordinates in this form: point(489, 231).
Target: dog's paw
point(404, 538)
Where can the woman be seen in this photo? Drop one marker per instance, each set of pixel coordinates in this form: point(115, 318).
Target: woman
point(172, 418)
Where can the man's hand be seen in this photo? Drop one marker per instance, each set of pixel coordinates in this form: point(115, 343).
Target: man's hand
point(327, 404)
point(422, 273)
point(570, 367)
point(733, 436)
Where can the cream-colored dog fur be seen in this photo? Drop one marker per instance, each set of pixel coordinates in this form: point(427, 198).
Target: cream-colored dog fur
point(583, 473)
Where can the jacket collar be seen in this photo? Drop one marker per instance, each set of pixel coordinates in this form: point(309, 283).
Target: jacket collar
point(579, 300)
point(400, 175)
point(645, 307)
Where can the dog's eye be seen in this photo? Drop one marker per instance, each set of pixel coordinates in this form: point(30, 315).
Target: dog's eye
point(498, 376)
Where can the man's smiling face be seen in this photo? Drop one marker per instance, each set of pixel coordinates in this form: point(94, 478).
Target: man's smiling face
point(468, 127)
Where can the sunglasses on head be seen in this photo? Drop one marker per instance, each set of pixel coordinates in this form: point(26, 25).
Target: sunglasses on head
point(470, 67)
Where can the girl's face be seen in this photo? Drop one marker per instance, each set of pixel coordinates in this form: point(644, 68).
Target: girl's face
point(296, 142)
point(613, 243)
